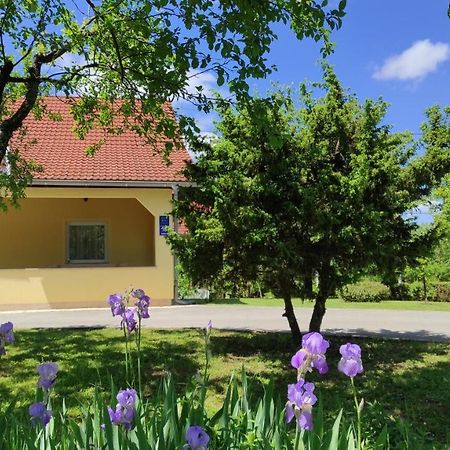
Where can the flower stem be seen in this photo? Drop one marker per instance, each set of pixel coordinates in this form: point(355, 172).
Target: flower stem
point(126, 354)
point(205, 370)
point(138, 346)
point(358, 413)
point(297, 439)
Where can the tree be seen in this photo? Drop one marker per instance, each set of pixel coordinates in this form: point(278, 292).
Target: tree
point(285, 193)
point(143, 52)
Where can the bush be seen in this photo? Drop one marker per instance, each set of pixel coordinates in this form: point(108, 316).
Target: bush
point(415, 291)
point(365, 291)
point(437, 291)
point(441, 291)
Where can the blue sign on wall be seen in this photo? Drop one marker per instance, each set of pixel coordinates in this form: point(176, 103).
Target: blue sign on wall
point(163, 225)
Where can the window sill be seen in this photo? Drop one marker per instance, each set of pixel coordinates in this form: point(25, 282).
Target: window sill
point(89, 264)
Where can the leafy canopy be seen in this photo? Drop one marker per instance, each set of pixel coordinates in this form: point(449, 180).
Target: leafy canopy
point(143, 52)
point(287, 192)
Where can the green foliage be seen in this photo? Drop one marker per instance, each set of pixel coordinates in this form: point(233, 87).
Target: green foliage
point(184, 283)
point(14, 179)
point(287, 193)
point(161, 425)
point(140, 52)
point(436, 291)
point(415, 291)
point(441, 291)
point(437, 267)
point(364, 291)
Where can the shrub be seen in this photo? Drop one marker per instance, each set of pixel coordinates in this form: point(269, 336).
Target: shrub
point(437, 291)
point(365, 291)
point(415, 291)
point(441, 291)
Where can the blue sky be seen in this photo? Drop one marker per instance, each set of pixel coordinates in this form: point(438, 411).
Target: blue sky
point(415, 34)
point(395, 49)
point(372, 32)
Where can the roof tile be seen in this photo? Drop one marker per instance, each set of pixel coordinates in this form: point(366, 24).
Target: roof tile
point(125, 157)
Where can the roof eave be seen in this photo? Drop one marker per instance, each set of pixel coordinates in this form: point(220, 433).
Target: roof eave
point(108, 183)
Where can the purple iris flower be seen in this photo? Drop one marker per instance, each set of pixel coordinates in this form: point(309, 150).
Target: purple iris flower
point(137, 293)
point(6, 332)
point(128, 319)
point(127, 398)
point(311, 355)
point(315, 343)
point(6, 336)
point(301, 399)
point(125, 408)
point(197, 438)
point(115, 301)
point(209, 327)
point(39, 413)
point(47, 374)
point(142, 306)
point(350, 363)
point(121, 416)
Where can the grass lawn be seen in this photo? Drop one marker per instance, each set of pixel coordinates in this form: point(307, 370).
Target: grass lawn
point(409, 380)
point(338, 303)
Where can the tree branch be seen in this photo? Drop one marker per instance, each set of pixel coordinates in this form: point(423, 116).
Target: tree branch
point(2, 26)
point(114, 41)
point(5, 72)
point(10, 125)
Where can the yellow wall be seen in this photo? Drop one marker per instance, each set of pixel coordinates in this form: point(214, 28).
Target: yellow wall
point(76, 287)
point(36, 234)
point(83, 286)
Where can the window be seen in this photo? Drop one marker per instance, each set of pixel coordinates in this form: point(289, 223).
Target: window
point(86, 243)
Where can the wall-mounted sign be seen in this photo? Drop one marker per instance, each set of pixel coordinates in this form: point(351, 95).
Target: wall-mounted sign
point(163, 225)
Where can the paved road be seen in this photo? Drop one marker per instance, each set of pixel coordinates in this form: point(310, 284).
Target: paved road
point(414, 325)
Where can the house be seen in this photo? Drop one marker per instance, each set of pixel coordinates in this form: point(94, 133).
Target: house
point(89, 226)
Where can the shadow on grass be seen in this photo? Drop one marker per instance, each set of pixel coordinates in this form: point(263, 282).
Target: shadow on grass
point(89, 358)
point(418, 335)
point(407, 380)
point(403, 379)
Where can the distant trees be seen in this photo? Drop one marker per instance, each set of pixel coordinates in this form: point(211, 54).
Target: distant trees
point(287, 193)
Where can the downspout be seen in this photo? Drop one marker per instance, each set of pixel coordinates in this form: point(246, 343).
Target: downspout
point(175, 228)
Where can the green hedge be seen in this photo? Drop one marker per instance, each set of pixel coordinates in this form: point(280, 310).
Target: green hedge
point(365, 291)
point(437, 291)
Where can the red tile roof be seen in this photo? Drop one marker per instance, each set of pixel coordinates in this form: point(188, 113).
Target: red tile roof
point(125, 157)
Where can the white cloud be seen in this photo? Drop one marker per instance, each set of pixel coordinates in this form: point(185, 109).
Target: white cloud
point(70, 60)
point(208, 81)
point(416, 62)
point(204, 79)
point(209, 136)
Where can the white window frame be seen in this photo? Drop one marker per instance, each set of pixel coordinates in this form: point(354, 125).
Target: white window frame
point(86, 261)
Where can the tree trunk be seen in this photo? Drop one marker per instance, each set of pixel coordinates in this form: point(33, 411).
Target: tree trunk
point(308, 286)
point(326, 286)
point(318, 313)
point(290, 316)
point(425, 294)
